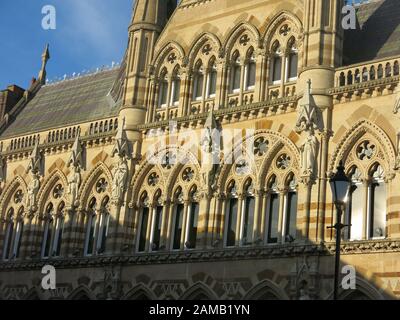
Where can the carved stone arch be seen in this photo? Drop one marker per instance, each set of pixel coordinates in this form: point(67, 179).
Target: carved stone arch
point(47, 187)
point(271, 29)
point(139, 292)
point(363, 288)
point(9, 192)
point(85, 193)
point(353, 136)
point(199, 291)
point(266, 290)
point(81, 293)
point(197, 45)
point(162, 55)
point(235, 33)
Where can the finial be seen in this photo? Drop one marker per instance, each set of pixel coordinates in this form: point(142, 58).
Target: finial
point(45, 58)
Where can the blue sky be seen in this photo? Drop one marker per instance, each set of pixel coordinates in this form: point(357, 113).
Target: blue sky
point(89, 34)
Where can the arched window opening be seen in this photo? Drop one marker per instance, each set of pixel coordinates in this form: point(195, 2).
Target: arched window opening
point(212, 80)
point(231, 215)
point(198, 81)
point(48, 231)
point(377, 203)
point(7, 244)
point(396, 68)
point(272, 230)
point(163, 90)
point(291, 210)
point(250, 70)
point(236, 73)
point(248, 214)
point(155, 237)
point(176, 88)
point(178, 220)
point(293, 61)
point(276, 63)
point(91, 228)
point(143, 222)
point(104, 225)
point(355, 207)
point(193, 219)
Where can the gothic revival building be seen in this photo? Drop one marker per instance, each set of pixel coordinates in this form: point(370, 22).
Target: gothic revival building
point(199, 167)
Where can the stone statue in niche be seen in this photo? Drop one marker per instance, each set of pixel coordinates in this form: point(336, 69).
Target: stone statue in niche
point(119, 180)
point(74, 182)
point(33, 189)
point(309, 151)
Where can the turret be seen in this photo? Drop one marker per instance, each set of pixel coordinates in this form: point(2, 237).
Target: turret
point(148, 20)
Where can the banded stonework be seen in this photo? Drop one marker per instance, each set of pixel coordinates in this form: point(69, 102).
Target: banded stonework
point(92, 182)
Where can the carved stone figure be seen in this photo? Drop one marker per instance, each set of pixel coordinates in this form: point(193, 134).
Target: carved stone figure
point(309, 154)
point(119, 181)
point(74, 181)
point(33, 189)
point(396, 108)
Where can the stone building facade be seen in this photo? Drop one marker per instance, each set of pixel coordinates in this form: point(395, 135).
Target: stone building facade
point(109, 176)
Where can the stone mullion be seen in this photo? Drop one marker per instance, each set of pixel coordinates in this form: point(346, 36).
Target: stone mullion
point(281, 216)
point(149, 228)
point(204, 89)
point(150, 104)
point(165, 224)
point(283, 75)
point(156, 100)
point(221, 213)
point(365, 187)
point(268, 76)
point(3, 230)
point(243, 67)
point(168, 231)
point(240, 212)
point(227, 86)
point(260, 77)
point(220, 87)
point(185, 219)
point(264, 216)
point(169, 94)
point(257, 215)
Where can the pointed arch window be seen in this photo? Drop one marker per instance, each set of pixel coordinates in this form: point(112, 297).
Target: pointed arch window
point(250, 70)
point(155, 236)
point(272, 230)
point(91, 229)
point(355, 207)
point(236, 73)
point(19, 230)
point(248, 214)
point(177, 230)
point(212, 80)
point(231, 215)
point(377, 203)
point(8, 240)
point(176, 88)
point(198, 81)
point(192, 222)
point(292, 62)
point(291, 210)
point(143, 222)
point(163, 90)
point(48, 231)
point(276, 65)
point(104, 225)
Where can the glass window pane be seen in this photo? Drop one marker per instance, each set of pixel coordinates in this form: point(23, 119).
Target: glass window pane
point(47, 238)
point(103, 232)
point(194, 217)
point(355, 213)
point(163, 92)
point(378, 210)
point(91, 234)
point(236, 77)
point(18, 238)
point(58, 237)
point(157, 228)
point(248, 220)
point(293, 62)
point(213, 83)
point(291, 215)
point(273, 214)
point(143, 229)
point(178, 226)
point(177, 89)
point(232, 221)
point(251, 75)
point(277, 69)
point(198, 91)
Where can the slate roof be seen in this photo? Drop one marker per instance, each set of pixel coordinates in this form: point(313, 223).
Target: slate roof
point(66, 103)
point(378, 32)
